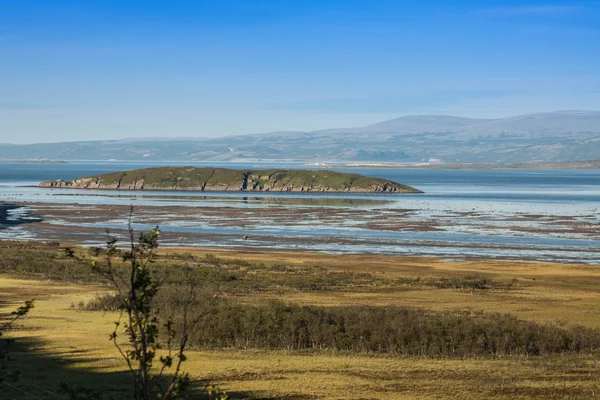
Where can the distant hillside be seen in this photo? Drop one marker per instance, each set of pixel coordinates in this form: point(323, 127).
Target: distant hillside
point(545, 137)
point(222, 179)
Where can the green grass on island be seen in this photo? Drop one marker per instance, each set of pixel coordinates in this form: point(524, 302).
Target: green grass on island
point(223, 179)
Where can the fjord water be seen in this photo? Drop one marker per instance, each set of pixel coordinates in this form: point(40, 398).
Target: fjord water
point(481, 195)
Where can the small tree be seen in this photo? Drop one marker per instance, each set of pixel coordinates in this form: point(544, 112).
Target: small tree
point(138, 321)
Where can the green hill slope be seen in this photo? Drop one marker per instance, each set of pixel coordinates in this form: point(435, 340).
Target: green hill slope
point(223, 179)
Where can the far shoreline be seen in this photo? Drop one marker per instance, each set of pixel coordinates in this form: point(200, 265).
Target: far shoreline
point(30, 161)
point(301, 164)
point(557, 166)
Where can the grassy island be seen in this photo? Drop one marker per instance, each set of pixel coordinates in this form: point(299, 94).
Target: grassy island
point(223, 179)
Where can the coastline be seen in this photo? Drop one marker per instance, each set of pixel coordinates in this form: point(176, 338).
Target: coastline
point(569, 165)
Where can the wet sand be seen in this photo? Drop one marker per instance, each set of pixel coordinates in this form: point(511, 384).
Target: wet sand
point(392, 219)
point(332, 229)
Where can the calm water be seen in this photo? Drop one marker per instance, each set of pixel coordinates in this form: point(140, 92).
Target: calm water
point(496, 196)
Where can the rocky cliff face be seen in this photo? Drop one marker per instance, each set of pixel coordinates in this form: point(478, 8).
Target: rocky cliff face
point(221, 179)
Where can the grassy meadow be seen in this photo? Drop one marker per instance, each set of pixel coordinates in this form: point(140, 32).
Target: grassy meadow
point(65, 337)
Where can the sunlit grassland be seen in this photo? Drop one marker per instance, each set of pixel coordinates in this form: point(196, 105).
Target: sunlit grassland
point(548, 292)
point(72, 345)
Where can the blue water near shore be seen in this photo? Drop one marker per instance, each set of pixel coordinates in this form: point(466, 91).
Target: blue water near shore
point(495, 194)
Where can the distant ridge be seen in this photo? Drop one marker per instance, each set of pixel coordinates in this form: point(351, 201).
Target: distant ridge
point(542, 137)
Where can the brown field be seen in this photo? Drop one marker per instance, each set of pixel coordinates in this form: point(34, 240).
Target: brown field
point(59, 342)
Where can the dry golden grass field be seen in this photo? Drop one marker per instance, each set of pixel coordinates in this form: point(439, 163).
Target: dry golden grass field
point(59, 341)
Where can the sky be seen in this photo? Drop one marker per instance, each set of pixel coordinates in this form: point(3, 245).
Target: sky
point(106, 69)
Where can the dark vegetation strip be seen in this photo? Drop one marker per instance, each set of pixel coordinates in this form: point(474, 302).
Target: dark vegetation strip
point(394, 330)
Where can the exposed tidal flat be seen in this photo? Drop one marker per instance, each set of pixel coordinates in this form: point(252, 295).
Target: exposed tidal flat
point(532, 215)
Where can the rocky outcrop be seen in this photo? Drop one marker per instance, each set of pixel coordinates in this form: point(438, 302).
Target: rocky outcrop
point(228, 180)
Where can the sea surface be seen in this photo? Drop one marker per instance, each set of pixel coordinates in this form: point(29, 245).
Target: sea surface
point(519, 214)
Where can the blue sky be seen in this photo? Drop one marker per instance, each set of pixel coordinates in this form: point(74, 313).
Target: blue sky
point(80, 70)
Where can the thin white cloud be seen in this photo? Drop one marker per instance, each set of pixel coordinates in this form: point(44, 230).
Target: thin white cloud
point(532, 10)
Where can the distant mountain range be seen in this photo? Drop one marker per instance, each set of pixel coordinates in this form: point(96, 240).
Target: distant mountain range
point(544, 137)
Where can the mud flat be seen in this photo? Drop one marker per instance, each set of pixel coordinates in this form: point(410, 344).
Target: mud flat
point(332, 229)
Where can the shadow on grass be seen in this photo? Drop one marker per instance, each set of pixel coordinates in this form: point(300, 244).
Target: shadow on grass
point(42, 372)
